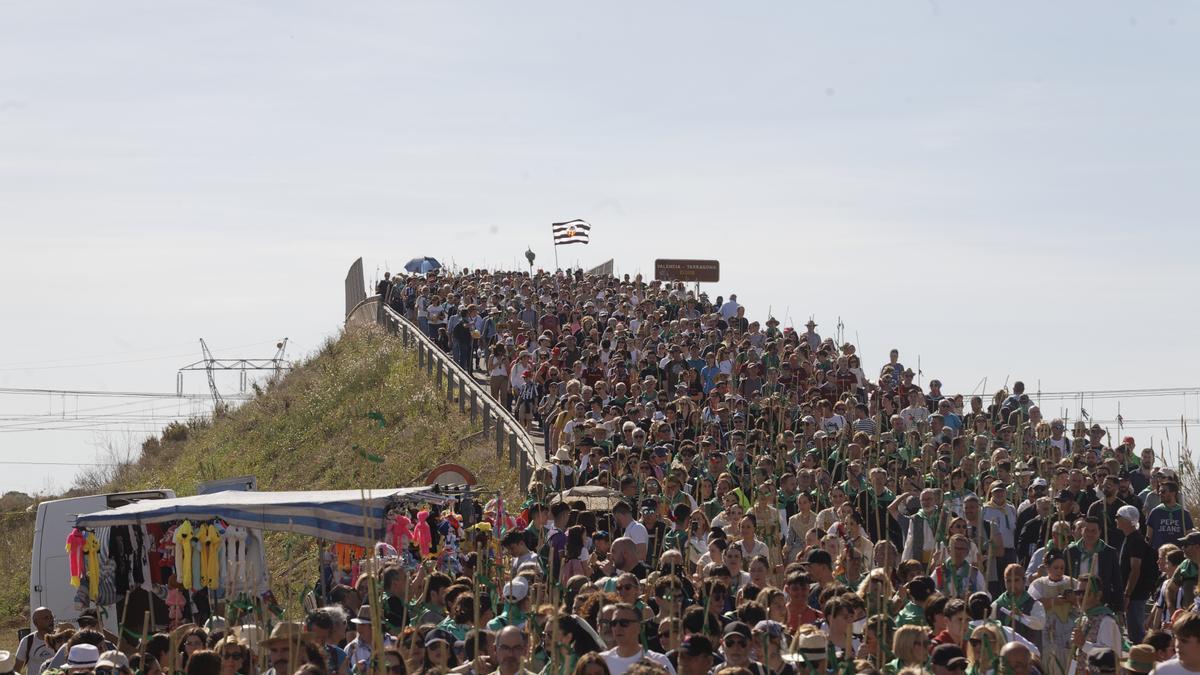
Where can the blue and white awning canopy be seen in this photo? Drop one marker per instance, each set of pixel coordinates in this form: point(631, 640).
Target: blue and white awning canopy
point(333, 515)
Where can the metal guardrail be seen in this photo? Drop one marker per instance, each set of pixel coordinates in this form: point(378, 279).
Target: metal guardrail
point(450, 377)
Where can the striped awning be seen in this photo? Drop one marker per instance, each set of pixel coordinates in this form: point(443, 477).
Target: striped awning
point(346, 516)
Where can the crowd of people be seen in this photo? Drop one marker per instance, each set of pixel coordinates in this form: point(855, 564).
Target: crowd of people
point(724, 496)
point(793, 495)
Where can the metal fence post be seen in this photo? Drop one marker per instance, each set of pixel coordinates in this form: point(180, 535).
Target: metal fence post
point(439, 374)
point(487, 416)
point(499, 439)
point(450, 375)
point(420, 355)
point(525, 473)
point(462, 398)
point(474, 406)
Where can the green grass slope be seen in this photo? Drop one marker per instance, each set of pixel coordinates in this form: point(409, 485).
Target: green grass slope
point(313, 429)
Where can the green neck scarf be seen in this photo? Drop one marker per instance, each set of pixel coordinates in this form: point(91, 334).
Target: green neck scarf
point(956, 578)
point(1186, 571)
point(1099, 610)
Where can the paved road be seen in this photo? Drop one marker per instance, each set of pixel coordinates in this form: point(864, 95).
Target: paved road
point(535, 432)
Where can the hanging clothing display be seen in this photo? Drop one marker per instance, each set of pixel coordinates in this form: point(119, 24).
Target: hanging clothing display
point(195, 560)
point(183, 553)
point(75, 545)
point(92, 552)
point(209, 537)
point(234, 544)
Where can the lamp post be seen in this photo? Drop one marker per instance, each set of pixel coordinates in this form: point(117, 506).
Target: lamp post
point(529, 255)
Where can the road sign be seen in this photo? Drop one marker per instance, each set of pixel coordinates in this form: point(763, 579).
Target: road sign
point(707, 271)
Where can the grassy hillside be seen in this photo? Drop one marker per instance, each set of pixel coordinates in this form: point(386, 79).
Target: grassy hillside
point(309, 430)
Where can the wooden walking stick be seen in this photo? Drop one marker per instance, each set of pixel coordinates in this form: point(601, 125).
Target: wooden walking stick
point(145, 638)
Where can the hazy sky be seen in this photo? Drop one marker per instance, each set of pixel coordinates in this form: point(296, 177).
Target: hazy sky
point(1006, 189)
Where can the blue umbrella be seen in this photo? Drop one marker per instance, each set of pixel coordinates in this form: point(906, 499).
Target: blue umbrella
point(422, 265)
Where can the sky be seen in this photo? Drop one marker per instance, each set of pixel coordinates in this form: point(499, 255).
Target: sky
point(1000, 190)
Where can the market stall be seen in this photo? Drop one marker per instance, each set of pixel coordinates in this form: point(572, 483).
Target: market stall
point(190, 558)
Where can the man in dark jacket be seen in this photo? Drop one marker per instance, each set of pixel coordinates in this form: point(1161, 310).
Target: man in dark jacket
point(1091, 556)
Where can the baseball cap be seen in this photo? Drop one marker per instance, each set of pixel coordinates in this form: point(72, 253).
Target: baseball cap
point(440, 635)
point(1190, 539)
point(948, 656)
point(1065, 496)
point(1129, 512)
point(738, 628)
point(515, 590)
point(696, 645)
point(772, 628)
point(1039, 483)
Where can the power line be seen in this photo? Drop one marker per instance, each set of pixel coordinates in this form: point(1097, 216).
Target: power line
point(115, 394)
point(84, 361)
point(30, 463)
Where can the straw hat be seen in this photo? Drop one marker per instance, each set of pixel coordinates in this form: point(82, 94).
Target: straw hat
point(363, 616)
point(177, 634)
point(288, 631)
point(113, 659)
point(1140, 659)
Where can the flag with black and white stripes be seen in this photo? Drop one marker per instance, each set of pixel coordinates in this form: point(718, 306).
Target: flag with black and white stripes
point(571, 232)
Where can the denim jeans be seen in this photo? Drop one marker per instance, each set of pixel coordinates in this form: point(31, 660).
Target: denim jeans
point(462, 354)
point(1135, 619)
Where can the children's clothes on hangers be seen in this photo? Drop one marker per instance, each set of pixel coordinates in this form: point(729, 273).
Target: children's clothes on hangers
point(76, 542)
point(183, 553)
point(92, 550)
point(234, 543)
point(197, 573)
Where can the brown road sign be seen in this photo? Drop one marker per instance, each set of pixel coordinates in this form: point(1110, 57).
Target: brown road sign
point(707, 271)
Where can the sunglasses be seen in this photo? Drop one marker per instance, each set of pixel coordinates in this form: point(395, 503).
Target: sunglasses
point(231, 655)
point(735, 642)
point(624, 623)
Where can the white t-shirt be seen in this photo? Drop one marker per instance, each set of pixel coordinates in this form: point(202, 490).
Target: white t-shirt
point(637, 532)
point(1172, 667)
point(1043, 587)
point(618, 664)
point(33, 650)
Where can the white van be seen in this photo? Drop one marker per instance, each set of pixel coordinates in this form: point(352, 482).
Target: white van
point(50, 572)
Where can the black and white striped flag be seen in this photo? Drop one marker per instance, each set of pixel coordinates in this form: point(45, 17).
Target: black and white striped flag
point(571, 232)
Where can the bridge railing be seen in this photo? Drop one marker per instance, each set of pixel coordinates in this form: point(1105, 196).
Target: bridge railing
point(511, 439)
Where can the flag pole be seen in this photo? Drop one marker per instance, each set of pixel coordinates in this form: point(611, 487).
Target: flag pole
point(555, 243)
